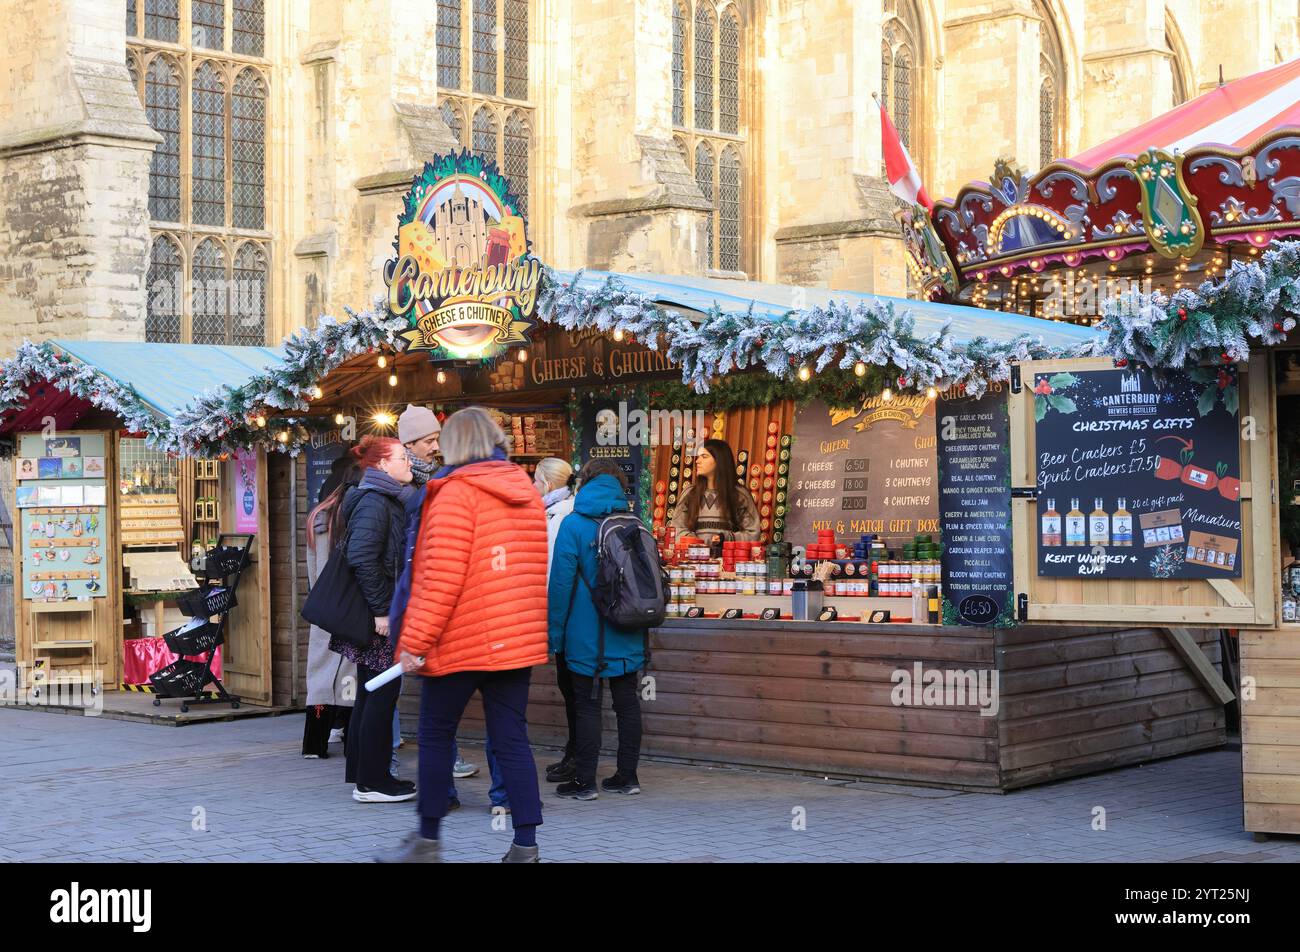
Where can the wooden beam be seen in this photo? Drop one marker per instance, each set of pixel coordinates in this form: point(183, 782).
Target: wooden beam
point(1186, 646)
point(1230, 593)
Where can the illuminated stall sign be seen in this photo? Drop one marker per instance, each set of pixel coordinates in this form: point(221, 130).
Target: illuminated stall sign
point(463, 276)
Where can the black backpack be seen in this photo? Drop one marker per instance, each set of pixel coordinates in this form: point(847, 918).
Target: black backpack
point(631, 587)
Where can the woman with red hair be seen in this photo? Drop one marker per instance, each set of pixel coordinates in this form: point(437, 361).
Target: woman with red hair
point(375, 513)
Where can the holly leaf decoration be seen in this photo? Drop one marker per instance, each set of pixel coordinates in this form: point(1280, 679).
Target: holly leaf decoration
point(1062, 381)
point(1209, 396)
point(1063, 404)
point(1201, 374)
point(1040, 407)
point(1231, 399)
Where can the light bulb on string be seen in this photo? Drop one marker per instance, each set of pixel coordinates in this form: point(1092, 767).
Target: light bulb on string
point(261, 421)
point(618, 334)
point(805, 373)
point(283, 436)
point(317, 393)
point(860, 369)
point(522, 355)
point(931, 393)
point(442, 376)
point(383, 361)
point(392, 380)
point(339, 419)
point(886, 395)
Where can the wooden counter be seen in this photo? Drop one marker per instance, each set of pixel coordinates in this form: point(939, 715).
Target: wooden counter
point(817, 697)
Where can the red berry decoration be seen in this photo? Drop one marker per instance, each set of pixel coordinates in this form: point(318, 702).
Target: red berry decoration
point(1182, 313)
point(1227, 359)
point(1225, 379)
point(1122, 362)
point(1277, 326)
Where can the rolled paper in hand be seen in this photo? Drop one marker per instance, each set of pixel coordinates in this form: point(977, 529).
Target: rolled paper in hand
point(379, 680)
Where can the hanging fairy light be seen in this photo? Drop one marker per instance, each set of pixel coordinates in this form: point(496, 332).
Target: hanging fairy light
point(618, 334)
point(886, 395)
point(522, 355)
point(382, 362)
point(860, 369)
point(805, 373)
point(317, 393)
point(442, 376)
point(339, 419)
point(392, 380)
point(383, 418)
point(931, 393)
point(283, 436)
point(260, 421)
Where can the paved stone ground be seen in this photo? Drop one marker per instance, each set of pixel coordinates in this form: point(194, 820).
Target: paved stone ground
point(88, 789)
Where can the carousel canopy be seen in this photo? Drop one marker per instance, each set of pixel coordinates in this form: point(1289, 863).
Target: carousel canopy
point(1233, 115)
point(1218, 172)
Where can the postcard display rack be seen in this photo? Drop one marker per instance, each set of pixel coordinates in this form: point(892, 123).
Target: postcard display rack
point(209, 609)
point(62, 513)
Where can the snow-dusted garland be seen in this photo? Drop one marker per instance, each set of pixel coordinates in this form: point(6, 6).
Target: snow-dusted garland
point(1255, 301)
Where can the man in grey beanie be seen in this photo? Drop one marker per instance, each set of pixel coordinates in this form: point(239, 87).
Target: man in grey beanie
point(418, 429)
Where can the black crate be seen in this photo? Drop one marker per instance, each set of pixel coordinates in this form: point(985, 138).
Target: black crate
point(196, 641)
point(206, 602)
point(225, 561)
point(181, 678)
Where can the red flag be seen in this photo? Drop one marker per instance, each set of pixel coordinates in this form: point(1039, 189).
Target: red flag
point(904, 180)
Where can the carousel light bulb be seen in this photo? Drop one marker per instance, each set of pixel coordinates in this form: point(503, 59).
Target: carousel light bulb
point(442, 376)
point(804, 373)
point(522, 356)
point(860, 369)
point(383, 361)
point(886, 395)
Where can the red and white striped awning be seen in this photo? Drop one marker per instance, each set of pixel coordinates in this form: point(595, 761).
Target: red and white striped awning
point(1233, 115)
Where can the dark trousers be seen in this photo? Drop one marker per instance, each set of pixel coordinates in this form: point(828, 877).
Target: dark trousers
point(627, 708)
point(370, 732)
point(564, 680)
point(316, 731)
point(505, 705)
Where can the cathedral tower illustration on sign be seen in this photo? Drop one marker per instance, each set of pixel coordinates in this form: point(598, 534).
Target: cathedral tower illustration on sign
point(461, 230)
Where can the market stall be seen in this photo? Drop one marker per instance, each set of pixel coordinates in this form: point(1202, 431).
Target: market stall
point(1185, 205)
point(116, 522)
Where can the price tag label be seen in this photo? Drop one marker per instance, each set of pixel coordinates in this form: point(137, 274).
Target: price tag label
point(734, 613)
point(771, 614)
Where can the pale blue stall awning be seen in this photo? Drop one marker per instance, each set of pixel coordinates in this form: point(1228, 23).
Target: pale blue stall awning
point(774, 301)
point(168, 376)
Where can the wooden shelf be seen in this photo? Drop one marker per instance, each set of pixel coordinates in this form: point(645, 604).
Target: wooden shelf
point(57, 608)
point(54, 645)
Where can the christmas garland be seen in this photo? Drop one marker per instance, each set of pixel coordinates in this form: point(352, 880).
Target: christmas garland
point(843, 350)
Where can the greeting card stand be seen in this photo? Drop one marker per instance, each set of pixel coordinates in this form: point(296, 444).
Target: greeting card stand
point(214, 599)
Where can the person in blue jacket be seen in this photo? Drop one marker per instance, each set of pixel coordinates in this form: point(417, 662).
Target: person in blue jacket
point(574, 631)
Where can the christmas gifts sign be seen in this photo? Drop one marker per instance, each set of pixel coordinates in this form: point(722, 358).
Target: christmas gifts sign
point(462, 275)
point(1138, 477)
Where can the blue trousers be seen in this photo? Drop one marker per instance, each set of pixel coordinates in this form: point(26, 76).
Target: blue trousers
point(505, 703)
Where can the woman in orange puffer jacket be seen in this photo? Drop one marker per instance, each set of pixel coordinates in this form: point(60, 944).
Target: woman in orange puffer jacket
point(476, 620)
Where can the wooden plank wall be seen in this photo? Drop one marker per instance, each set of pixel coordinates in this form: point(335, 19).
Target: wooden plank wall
point(284, 613)
point(1270, 730)
point(1075, 701)
point(1072, 701)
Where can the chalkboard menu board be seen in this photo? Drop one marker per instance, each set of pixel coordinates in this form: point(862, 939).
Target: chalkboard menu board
point(975, 509)
point(1138, 478)
point(603, 436)
point(865, 469)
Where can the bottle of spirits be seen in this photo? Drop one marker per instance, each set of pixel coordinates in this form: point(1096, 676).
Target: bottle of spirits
point(1099, 525)
point(1122, 525)
point(1051, 525)
point(1076, 525)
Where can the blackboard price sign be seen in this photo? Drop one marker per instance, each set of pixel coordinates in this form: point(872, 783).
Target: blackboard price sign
point(1138, 478)
point(975, 509)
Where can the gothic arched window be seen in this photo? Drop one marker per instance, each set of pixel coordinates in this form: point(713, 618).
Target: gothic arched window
point(485, 133)
point(448, 40)
point(1051, 89)
point(709, 80)
point(208, 176)
point(164, 291)
point(485, 47)
point(515, 157)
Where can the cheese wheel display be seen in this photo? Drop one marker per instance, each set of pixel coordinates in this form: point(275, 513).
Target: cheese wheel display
point(767, 482)
point(753, 485)
point(771, 442)
point(769, 469)
point(770, 456)
point(767, 496)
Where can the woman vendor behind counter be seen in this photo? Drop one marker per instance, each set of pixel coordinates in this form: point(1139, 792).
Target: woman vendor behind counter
point(715, 504)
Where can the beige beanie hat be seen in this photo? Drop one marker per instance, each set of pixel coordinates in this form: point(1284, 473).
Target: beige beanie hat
point(416, 423)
